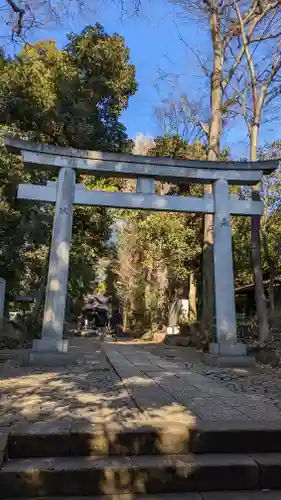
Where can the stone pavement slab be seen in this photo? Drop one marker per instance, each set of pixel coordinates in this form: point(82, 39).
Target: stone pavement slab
point(159, 387)
point(120, 384)
point(89, 392)
point(261, 380)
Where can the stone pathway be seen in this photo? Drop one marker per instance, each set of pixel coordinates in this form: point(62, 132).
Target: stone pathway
point(123, 384)
point(89, 391)
point(263, 381)
point(170, 390)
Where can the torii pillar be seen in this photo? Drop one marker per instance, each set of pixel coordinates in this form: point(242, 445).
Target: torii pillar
point(226, 350)
point(51, 340)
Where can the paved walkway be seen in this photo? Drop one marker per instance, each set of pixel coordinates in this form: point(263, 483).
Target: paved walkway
point(87, 392)
point(166, 389)
point(262, 380)
point(121, 384)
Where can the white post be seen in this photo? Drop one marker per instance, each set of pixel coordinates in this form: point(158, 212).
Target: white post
point(2, 301)
point(224, 281)
point(56, 290)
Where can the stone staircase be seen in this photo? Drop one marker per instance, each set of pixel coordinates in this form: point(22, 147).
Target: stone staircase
point(143, 463)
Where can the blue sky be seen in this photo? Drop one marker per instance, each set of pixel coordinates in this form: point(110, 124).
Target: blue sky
point(153, 38)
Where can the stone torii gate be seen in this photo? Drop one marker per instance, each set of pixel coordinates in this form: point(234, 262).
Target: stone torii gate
point(146, 170)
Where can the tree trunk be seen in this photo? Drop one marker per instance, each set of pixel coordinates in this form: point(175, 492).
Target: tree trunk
point(262, 314)
point(162, 279)
point(213, 154)
point(208, 303)
point(271, 266)
point(40, 295)
point(148, 312)
point(192, 299)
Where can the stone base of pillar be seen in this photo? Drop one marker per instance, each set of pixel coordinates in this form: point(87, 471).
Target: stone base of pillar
point(44, 359)
point(228, 349)
point(228, 355)
point(229, 361)
point(50, 352)
point(50, 345)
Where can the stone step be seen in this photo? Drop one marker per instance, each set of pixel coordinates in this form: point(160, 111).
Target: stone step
point(220, 437)
point(211, 495)
point(168, 496)
point(136, 475)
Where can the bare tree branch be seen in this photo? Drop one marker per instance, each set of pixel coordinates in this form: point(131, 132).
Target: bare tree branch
point(268, 37)
point(204, 68)
point(20, 13)
point(247, 53)
point(231, 72)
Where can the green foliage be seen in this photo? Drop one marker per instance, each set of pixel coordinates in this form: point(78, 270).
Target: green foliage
point(241, 238)
point(175, 147)
point(24, 229)
point(70, 97)
point(270, 190)
point(157, 251)
point(167, 242)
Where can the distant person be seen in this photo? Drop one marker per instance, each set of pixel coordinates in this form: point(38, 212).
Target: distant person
point(116, 321)
point(101, 318)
